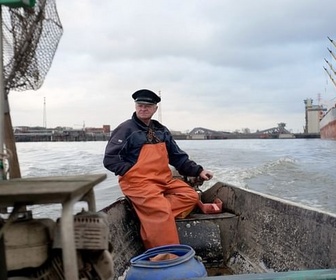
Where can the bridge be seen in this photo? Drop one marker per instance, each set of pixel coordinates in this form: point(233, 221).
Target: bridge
point(275, 132)
point(280, 129)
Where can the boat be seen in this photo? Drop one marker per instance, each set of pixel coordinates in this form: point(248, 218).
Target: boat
point(328, 121)
point(234, 231)
point(254, 234)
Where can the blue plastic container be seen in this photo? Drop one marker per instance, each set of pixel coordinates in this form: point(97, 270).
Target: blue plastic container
point(184, 267)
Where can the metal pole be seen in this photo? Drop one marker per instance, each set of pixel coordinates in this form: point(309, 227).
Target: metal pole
point(2, 102)
point(3, 266)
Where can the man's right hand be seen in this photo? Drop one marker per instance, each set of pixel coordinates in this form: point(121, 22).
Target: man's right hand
point(206, 175)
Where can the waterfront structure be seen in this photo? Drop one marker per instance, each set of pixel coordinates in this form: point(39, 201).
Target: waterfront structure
point(313, 116)
point(58, 134)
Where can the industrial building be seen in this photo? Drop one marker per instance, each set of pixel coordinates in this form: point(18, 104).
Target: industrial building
point(313, 115)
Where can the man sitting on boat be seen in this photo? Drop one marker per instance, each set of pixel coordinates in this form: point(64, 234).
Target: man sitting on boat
point(140, 151)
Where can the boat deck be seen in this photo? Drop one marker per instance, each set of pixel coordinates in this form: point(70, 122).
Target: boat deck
point(219, 271)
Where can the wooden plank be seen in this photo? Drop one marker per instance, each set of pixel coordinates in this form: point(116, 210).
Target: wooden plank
point(14, 165)
point(45, 190)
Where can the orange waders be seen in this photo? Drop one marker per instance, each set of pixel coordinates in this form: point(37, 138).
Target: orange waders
point(156, 196)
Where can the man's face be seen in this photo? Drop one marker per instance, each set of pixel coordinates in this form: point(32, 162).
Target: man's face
point(145, 111)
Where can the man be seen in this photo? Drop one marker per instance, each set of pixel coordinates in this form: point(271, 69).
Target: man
point(139, 152)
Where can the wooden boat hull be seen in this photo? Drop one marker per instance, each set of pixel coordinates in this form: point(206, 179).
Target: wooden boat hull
point(255, 233)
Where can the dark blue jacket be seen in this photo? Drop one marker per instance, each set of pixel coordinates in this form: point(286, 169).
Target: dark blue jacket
point(126, 141)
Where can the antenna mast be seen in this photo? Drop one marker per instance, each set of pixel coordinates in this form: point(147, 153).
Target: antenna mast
point(44, 114)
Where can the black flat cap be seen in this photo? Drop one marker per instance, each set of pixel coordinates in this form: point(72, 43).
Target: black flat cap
point(146, 96)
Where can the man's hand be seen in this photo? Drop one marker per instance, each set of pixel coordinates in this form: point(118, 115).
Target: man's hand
point(206, 175)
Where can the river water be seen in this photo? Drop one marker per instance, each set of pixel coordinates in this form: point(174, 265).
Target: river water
point(300, 170)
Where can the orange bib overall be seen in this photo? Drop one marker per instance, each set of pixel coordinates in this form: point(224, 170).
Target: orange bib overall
point(156, 196)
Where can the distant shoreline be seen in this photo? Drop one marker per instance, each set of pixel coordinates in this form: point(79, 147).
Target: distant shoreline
point(82, 137)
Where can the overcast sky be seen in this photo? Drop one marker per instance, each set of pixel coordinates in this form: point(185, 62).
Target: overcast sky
point(219, 64)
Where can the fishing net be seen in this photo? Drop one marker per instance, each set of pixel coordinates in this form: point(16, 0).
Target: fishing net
point(30, 40)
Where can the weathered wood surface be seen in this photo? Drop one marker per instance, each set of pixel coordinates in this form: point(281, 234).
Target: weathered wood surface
point(45, 190)
point(14, 165)
point(275, 234)
point(125, 239)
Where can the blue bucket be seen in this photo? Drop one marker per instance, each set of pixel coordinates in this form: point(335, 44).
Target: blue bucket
point(184, 267)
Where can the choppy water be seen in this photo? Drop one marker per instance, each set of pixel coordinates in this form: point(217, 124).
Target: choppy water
point(302, 170)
